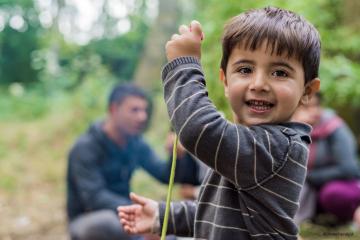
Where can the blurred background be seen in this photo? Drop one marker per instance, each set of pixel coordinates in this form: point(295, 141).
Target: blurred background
point(59, 58)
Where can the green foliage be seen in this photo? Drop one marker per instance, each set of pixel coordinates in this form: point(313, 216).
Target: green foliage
point(17, 45)
point(33, 55)
point(121, 54)
point(47, 68)
point(28, 106)
point(339, 69)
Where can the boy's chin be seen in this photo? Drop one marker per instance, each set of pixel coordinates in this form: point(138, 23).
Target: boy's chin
point(250, 121)
point(255, 121)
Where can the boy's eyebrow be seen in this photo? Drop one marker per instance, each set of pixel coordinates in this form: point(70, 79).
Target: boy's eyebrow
point(242, 61)
point(283, 64)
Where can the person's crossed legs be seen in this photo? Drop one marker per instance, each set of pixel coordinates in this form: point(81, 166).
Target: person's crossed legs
point(98, 225)
point(103, 225)
point(340, 198)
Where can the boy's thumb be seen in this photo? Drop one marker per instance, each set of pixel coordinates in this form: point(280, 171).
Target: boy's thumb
point(138, 199)
point(195, 27)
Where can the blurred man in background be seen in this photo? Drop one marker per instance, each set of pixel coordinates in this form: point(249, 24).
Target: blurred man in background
point(101, 164)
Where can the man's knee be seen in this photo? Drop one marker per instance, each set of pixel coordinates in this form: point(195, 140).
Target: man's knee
point(98, 225)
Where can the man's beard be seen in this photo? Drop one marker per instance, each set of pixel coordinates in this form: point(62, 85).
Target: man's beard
point(126, 134)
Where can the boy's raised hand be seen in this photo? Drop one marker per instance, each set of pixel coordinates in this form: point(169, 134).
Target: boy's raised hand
point(186, 43)
point(140, 217)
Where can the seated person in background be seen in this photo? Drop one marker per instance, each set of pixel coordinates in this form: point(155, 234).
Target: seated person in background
point(101, 164)
point(332, 184)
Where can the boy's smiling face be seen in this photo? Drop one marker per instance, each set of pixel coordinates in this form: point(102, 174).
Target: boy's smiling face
point(264, 87)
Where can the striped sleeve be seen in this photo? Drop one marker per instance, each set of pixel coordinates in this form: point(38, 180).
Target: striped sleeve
point(181, 218)
point(246, 156)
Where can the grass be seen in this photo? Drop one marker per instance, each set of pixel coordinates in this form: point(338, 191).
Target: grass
point(313, 232)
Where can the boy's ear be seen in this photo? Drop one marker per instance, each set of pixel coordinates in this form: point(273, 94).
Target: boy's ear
point(310, 89)
point(224, 82)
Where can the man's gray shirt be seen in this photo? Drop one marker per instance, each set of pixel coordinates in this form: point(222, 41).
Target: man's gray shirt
point(251, 190)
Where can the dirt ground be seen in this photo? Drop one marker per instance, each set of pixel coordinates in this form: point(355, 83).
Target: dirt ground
point(34, 209)
point(32, 216)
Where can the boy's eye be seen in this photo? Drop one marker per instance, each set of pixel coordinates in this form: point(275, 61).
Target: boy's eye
point(245, 70)
point(280, 73)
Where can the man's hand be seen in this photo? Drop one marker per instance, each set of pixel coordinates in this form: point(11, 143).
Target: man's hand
point(188, 191)
point(169, 144)
point(186, 43)
point(140, 217)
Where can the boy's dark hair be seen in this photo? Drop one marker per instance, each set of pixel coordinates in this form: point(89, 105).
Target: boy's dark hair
point(124, 90)
point(285, 32)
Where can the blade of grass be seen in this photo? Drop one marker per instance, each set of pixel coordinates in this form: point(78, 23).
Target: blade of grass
point(169, 195)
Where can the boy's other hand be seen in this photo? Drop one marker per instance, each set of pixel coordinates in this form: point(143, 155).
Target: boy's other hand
point(140, 217)
point(186, 43)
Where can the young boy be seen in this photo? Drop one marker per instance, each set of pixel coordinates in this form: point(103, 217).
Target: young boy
point(258, 164)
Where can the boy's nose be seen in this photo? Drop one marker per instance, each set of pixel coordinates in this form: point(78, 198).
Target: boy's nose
point(259, 83)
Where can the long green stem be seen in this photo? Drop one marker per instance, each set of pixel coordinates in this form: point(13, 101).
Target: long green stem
point(171, 184)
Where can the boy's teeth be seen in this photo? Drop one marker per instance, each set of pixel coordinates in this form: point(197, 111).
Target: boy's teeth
point(260, 105)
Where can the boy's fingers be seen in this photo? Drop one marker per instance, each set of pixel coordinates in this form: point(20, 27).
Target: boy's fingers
point(183, 29)
point(138, 199)
point(128, 209)
point(195, 27)
point(127, 229)
point(124, 222)
point(124, 216)
point(175, 36)
point(129, 226)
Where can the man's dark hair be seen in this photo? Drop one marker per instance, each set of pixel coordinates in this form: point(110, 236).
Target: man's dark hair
point(283, 31)
point(124, 90)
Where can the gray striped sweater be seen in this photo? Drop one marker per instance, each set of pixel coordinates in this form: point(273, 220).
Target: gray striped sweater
point(251, 190)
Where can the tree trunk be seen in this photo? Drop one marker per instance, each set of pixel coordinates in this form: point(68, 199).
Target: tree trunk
point(351, 13)
point(147, 74)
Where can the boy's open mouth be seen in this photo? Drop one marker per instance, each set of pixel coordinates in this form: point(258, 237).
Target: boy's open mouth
point(259, 105)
